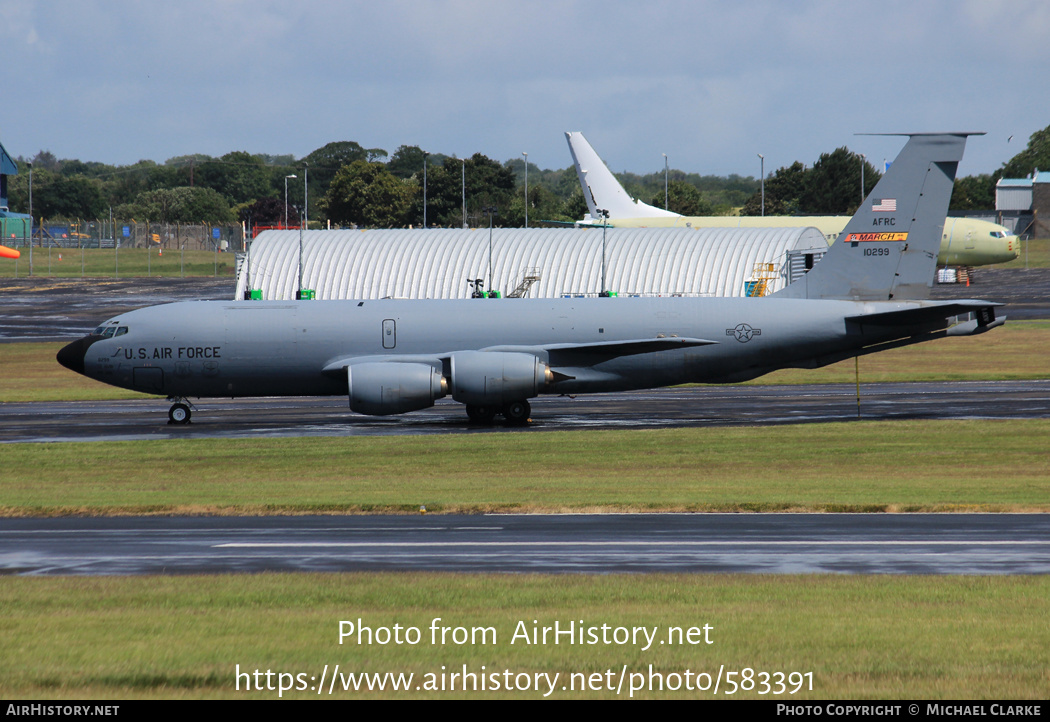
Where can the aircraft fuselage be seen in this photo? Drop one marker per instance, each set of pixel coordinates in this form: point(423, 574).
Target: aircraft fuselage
point(214, 349)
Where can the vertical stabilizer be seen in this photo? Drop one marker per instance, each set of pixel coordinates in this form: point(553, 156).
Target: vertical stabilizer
point(888, 250)
point(601, 190)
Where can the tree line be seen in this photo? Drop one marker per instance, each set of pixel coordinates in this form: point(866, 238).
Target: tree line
point(350, 185)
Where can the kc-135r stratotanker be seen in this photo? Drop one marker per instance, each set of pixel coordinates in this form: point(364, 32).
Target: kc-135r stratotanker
point(390, 357)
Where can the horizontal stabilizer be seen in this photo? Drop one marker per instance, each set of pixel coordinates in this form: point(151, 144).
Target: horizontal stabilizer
point(984, 314)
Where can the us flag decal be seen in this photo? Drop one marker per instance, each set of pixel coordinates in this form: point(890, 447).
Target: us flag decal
point(886, 204)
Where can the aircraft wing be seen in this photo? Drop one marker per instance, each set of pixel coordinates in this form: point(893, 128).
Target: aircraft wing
point(586, 354)
point(561, 354)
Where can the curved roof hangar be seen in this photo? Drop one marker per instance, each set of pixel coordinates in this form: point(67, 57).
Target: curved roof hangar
point(437, 263)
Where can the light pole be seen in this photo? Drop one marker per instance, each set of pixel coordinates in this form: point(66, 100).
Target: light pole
point(763, 172)
point(491, 210)
point(464, 185)
point(666, 204)
point(863, 160)
point(286, 199)
point(299, 290)
point(526, 188)
point(306, 195)
point(425, 154)
point(30, 219)
point(605, 217)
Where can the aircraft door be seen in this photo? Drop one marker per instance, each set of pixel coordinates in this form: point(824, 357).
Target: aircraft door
point(148, 378)
point(389, 333)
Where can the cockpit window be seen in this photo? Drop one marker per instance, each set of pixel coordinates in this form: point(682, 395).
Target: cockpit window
point(108, 330)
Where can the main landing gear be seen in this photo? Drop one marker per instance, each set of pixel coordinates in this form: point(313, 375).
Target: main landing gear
point(179, 413)
point(516, 413)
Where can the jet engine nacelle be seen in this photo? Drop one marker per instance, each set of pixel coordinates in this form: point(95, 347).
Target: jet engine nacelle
point(490, 378)
point(381, 389)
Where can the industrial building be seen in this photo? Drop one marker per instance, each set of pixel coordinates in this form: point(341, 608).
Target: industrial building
point(1029, 200)
point(14, 227)
point(533, 262)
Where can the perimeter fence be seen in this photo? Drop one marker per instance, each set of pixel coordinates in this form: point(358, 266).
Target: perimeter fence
point(91, 248)
point(82, 233)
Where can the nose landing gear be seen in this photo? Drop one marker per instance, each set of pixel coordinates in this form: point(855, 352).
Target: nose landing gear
point(179, 413)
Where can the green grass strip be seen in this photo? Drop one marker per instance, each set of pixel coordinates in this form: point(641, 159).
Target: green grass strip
point(125, 263)
point(862, 466)
point(861, 637)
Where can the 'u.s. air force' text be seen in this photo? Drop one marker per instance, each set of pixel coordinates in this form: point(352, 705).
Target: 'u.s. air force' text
point(180, 352)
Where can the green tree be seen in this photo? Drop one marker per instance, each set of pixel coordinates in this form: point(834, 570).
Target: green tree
point(574, 207)
point(239, 176)
point(973, 193)
point(406, 161)
point(366, 194)
point(59, 196)
point(683, 198)
point(543, 206)
point(1036, 155)
point(783, 190)
point(833, 184)
point(46, 160)
point(488, 182)
point(268, 212)
point(284, 161)
point(179, 205)
point(329, 159)
point(321, 166)
point(185, 168)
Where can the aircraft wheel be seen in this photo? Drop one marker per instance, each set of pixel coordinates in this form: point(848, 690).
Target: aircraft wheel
point(481, 414)
point(179, 414)
point(517, 413)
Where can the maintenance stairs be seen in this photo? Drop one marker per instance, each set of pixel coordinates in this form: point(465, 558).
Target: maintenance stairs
point(529, 277)
point(762, 275)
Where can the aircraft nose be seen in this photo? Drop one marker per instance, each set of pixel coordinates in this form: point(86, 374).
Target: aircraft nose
point(72, 355)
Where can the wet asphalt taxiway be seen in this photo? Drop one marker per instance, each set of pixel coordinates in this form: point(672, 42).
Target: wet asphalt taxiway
point(655, 408)
point(987, 544)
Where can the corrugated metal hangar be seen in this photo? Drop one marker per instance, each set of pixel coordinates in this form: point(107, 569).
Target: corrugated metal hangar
point(537, 262)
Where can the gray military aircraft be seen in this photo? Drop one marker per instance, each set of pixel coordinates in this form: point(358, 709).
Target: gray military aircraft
point(390, 357)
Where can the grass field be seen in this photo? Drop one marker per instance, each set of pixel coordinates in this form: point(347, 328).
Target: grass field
point(125, 263)
point(1035, 253)
point(860, 637)
point(862, 466)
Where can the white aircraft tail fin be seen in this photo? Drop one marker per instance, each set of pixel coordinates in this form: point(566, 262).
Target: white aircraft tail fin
point(601, 190)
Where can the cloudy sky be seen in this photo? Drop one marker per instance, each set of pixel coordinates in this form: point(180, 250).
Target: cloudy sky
point(711, 84)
